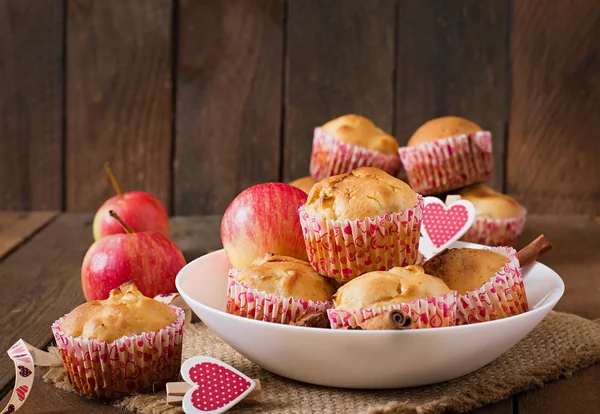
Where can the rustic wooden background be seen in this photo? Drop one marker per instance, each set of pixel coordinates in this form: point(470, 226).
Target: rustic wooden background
point(195, 100)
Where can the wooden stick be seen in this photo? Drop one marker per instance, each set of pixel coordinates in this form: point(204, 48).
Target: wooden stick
point(176, 391)
point(534, 250)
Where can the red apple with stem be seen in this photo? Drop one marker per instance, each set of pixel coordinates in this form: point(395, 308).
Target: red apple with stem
point(148, 258)
point(264, 219)
point(141, 210)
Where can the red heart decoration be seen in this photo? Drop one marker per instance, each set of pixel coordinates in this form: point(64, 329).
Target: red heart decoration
point(445, 224)
point(22, 392)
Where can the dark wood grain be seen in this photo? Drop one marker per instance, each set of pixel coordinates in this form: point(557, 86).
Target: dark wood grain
point(16, 228)
point(502, 407)
point(31, 104)
point(40, 283)
point(196, 235)
point(229, 79)
point(452, 59)
point(119, 99)
point(555, 101)
point(339, 60)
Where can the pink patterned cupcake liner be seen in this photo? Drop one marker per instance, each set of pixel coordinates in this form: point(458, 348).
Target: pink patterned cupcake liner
point(496, 232)
point(345, 249)
point(126, 366)
point(433, 312)
point(331, 156)
point(449, 163)
point(503, 296)
point(254, 304)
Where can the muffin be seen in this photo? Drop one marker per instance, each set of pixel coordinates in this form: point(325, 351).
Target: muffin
point(349, 142)
point(447, 153)
point(120, 346)
point(488, 282)
point(304, 183)
point(425, 298)
point(499, 219)
point(359, 222)
point(277, 289)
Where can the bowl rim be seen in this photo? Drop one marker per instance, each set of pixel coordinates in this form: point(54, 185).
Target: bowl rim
point(414, 332)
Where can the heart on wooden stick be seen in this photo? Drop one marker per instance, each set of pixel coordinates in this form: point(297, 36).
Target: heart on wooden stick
point(443, 224)
point(216, 386)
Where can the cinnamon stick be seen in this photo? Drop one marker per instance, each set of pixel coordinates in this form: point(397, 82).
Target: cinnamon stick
point(534, 250)
point(393, 320)
point(312, 320)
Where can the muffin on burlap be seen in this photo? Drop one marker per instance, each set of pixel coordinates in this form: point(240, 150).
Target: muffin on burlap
point(426, 299)
point(447, 153)
point(277, 289)
point(349, 142)
point(488, 282)
point(361, 221)
point(120, 346)
point(499, 218)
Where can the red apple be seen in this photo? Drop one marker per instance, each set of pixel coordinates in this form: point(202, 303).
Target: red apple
point(139, 209)
point(261, 219)
point(148, 258)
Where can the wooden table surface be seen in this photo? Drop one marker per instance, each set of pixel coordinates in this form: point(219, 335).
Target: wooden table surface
point(41, 255)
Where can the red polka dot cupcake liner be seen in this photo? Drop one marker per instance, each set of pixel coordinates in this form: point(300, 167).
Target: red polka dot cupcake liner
point(449, 163)
point(345, 249)
point(129, 365)
point(503, 296)
point(496, 232)
point(433, 312)
point(254, 304)
point(331, 156)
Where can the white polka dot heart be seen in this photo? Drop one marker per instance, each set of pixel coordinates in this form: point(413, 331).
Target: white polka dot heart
point(443, 224)
point(216, 386)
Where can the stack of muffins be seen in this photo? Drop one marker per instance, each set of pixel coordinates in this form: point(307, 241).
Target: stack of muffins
point(361, 226)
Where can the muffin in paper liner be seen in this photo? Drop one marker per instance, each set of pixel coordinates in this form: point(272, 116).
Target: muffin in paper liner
point(449, 163)
point(129, 365)
point(496, 232)
point(433, 312)
point(254, 304)
point(345, 249)
point(332, 156)
point(503, 296)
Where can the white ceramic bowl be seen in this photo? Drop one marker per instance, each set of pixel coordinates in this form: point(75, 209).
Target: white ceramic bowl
point(363, 359)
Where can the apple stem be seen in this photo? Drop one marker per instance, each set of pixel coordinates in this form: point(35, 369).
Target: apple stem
point(121, 222)
point(113, 180)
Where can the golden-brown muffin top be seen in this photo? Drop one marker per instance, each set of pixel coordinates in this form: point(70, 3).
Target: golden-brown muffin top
point(465, 269)
point(304, 183)
point(126, 312)
point(395, 286)
point(491, 204)
point(364, 192)
point(444, 127)
point(288, 277)
point(361, 131)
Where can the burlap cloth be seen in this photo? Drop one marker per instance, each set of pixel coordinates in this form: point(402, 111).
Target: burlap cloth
point(559, 346)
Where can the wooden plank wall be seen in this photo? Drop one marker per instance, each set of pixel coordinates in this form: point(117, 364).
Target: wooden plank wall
point(195, 100)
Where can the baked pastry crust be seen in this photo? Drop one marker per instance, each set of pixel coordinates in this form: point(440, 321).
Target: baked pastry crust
point(304, 183)
point(465, 269)
point(392, 287)
point(126, 312)
point(288, 277)
point(491, 204)
point(361, 131)
point(444, 127)
point(364, 192)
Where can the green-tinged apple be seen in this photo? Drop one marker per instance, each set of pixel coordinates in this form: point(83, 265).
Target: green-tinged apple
point(139, 209)
point(264, 219)
point(148, 258)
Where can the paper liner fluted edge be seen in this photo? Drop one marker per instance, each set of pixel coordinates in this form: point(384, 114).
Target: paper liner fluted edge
point(497, 232)
point(332, 156)
point(251, 303)
point(503, 296)
point(432, 312)
point(125, 366)
point(345, 249)
point(449, 163)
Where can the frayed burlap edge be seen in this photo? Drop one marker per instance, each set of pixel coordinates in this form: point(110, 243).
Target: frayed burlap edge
point(561, 345)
